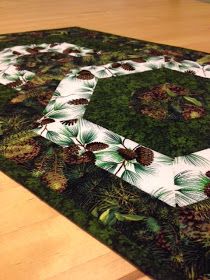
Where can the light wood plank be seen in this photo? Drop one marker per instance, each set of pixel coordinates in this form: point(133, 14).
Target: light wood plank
point(182, 22)
point(38, 243)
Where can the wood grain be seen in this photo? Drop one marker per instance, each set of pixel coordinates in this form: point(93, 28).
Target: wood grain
point(37, 242)
point(181, 22)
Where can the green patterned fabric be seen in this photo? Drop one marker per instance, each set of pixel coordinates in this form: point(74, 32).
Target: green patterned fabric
point(113, 132)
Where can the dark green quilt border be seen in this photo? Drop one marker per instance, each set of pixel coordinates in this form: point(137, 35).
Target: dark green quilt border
point(87, 44)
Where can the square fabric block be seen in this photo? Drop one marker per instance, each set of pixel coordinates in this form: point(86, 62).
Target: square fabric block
point(114, 133)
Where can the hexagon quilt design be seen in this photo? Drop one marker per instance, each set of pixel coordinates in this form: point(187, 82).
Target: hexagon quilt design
point(178, 181)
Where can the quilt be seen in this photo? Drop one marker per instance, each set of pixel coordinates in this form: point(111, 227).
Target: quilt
point(113, 132)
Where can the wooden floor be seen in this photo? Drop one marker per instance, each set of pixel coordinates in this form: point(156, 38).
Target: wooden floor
point(36, 242)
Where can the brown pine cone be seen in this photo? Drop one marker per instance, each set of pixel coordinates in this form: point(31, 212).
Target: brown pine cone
point(53, 45)
point(154, 52)
point(88, 157)
point(158, 114)
point(69, 122)
point(33, 50)
point(15, 84)
point(19, 67)
point(85, 75)
point(179, 90)
point(24, 152)
point(71, 154)
point(186, 215)
point(44, 98)
point(144, 156)
point(72, 159)
point(127, 67)
point(190, 72)
point(192, 112)
point(73, 149)
point(16, 53)
point(70, 50)
point(167, 58)
point(127, 154)
point(96, 146)
point(79, 101)
point(116, 65)
point(159, 93)
point(197, 232)
point(177, 56)
point(207, 190)
point(28, 86)
point(208, 174)
point(55, 181)
point(46, 121)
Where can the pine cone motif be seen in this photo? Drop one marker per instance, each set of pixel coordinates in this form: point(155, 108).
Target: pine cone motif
point(177, 56)
point(71, 159)
point(55, 181)
point(157, 92)
point(207, 190)
point(167, 58)
point(18, 99)
point(88, 157)
point(190, 72)
point(198, 233)
point(127, 67)
point(186, 215)
point(127, 154)
point(179, 90)
point(44, 98)
point(158, 114)
point(192, 112)
point(79, 101)
point(116, 65)
point(28, 86)
point(15, 84)
point(16, 53)
point(172, 53)
point(194, 225)
point(96, 146)
point(168, 102)
point(70, 50)
point(85, 75)
point(33, 50)
point(208, 174)
point(24, 152)
point(70, 122)
point(72, 149)
point(144, 156)
point(46, 121)
point(71, 156)
point(53, 45)
point(154, 52)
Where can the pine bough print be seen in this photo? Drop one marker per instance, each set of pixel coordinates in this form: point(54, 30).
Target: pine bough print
point(128, 189)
